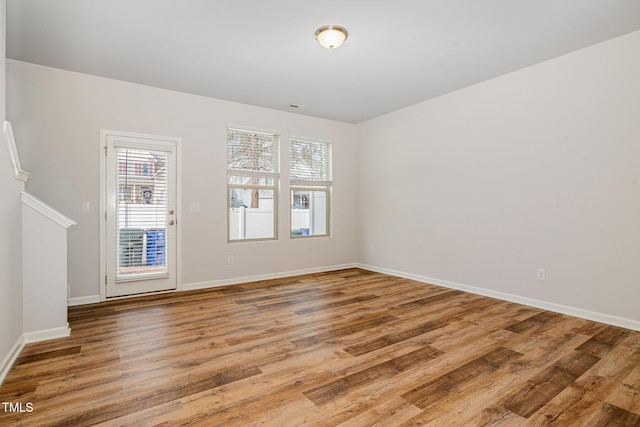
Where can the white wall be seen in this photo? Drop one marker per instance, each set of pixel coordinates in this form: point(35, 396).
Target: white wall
point(10, 232)
point(535, 169)
point(57, 116)
point(44, 271)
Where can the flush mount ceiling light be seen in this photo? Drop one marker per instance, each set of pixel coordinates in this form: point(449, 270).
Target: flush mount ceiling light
point(331, 36)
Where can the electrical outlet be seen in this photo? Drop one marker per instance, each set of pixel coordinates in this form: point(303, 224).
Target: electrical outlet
point(194, 207)
point(230, 259)
point(86, 206)
point(540, 274)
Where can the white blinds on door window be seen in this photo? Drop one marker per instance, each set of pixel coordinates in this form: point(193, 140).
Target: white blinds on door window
point(141, 214)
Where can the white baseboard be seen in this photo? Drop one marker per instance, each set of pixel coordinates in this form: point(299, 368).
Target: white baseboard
point(545, 305)
point(46, 334)
point(89, 299)
point(10, 359)
point(27, 338)
point(92, 299)
point(248, 279)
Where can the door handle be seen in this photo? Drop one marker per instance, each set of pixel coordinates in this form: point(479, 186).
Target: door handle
point(171, 212)
point(171, 222)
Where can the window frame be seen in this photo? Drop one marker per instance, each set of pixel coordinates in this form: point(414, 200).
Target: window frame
point(311, 185)
point(274, 176)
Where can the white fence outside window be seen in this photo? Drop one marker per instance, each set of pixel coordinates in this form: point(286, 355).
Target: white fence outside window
point(250, 223)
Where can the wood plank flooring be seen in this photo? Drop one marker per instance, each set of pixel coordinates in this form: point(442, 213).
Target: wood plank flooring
point(349, 347)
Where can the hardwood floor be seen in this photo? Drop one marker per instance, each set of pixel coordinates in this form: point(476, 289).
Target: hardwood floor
point(348, 347)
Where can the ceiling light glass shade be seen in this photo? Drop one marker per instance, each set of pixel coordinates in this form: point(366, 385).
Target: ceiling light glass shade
point(331, 36)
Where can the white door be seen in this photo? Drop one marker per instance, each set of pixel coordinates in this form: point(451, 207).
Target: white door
point(140, 214)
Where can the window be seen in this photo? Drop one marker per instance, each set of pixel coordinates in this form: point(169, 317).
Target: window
point(252, 180)
point(310, 187)
point(140, 213)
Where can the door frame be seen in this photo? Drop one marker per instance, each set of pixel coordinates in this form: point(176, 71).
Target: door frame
point(104, 134)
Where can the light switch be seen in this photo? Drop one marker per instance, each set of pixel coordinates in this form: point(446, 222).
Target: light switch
point(86, 206)
point(194, 207)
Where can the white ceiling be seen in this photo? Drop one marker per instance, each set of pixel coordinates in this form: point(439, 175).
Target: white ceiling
point(263, 52)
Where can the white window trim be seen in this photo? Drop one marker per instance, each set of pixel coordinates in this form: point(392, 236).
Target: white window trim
point(308, 185)
point(275, 176)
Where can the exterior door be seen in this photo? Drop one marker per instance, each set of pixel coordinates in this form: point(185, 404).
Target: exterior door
point(140, 215)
